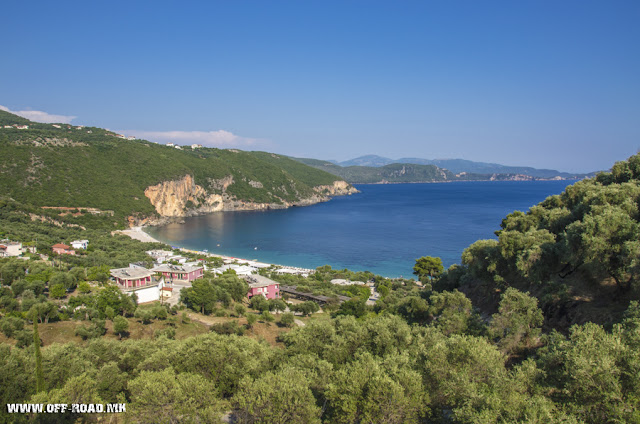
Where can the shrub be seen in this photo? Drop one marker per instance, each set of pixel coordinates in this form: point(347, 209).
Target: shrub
point(287, 319)
point(251, 320)
point(11, 325)
point(228, 328)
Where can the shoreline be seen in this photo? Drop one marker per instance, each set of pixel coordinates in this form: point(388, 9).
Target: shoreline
point(137, 233)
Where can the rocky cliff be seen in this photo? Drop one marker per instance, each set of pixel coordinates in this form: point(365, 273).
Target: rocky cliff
point(183, 197)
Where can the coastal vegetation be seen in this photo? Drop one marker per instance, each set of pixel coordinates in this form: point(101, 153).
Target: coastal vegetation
point(89, 167)
point(538, 325)
point(578, 252)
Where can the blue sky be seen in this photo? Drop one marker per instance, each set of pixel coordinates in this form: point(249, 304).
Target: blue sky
point(551, 84)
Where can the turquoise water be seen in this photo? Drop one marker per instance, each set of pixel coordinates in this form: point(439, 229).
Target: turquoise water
point(383, 229)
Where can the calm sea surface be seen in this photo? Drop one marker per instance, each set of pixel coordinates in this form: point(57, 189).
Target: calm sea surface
point(383, 229)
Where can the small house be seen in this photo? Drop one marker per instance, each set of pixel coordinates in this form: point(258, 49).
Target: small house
point(10, 248)
point(132, 277)
point(62, 249)
point(260, 285)
point(167, 291)
point(186, 273)
point(80, 244)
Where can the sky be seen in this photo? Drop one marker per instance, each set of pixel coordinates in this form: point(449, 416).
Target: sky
point(544, 83)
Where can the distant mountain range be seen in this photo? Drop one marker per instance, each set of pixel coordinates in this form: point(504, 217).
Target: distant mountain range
point(461, 165)
point(376, 169)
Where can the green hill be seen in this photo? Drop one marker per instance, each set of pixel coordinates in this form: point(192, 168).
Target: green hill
point(74, 166)
point(577, 252)
point(393, 173)
point(458, 166)
point(403, 173)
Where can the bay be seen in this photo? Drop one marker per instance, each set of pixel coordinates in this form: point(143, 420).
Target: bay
point(383, 229)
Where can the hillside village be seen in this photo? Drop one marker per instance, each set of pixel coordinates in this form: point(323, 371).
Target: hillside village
point(171, 272)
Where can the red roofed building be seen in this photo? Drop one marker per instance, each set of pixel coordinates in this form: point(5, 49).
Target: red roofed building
point(167, 291)
point(62, 249)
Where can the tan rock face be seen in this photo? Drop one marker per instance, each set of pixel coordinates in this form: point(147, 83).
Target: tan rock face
point(177, 198)
point(183, 197)
point(338, 188)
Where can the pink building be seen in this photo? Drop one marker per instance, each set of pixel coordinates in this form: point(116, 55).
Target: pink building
point(179, 272)
point(62, 249)
point(263, 286)
point(132, 277)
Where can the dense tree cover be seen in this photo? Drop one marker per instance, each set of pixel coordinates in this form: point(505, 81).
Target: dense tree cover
point(577, 252)
point(374, 369)
point(206, 293)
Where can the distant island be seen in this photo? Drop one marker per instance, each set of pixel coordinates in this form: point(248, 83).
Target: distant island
point(372, 169)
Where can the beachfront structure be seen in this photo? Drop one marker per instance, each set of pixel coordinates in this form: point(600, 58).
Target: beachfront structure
point(177, 258)
point(260, 285)
point(80, 244)
point(159, 255)
point(255, 264)
point(186, 273)
point(294, 271)
point(239, 269)
point(341, 282)
point(132, 277)
point(62, 249)
point(10, 248)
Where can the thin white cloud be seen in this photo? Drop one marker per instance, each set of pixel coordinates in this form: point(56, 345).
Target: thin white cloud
point(40, 116)
point(220, 138)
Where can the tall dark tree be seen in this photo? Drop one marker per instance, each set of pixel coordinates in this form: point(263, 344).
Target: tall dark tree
point(428, 266)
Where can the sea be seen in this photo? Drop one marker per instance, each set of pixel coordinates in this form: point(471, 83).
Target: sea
point(382, 229)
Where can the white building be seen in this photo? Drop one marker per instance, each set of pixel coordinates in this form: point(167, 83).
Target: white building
point(10, 248)
point(342, 282)
point(80, 244)
point(239, 269)
point(159, 255)
point(147, 294)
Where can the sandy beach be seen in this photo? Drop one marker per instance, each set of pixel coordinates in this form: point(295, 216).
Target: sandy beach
point(137, 234)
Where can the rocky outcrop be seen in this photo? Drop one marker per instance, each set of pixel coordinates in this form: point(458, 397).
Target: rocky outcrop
point(176, 198)
point(338, 188)
point(181, 198)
